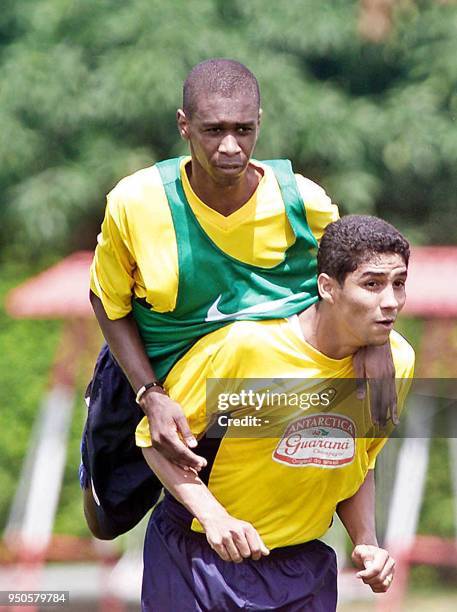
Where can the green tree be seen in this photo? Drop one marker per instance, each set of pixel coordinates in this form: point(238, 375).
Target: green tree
point(89, 92)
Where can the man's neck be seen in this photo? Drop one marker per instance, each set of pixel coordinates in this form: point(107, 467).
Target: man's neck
point(225, 198)
point(320, 330)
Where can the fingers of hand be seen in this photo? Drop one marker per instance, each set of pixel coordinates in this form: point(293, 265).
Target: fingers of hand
point(371, 575)
point(172, 447)
point(362, 554)
point(215, 540)
point(387, 582)
point(387, 573)
point(221, 550)
point(383, 395)
point(183, 428)
point(237, 541)
point(232, 544)
point(361, 388)
point(187, 460)
point(248, 541)
point(166, 417)
point(382, 585)
point(244, 544)
point(358, 361)
point(384, 399)
point(379, 572)
point(375, 364)
point(378, 401)
point(256, 545)
point(394, 408)
point(380, 371)
point(371, 558)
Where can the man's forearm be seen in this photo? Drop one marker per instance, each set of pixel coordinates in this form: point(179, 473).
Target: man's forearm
point(126, 345)
point(185, 486)
point(358, 513)
point(166, 418)
point(231, 538)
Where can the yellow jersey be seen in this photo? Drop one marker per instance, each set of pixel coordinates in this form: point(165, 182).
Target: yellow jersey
point(286, 471)
point(137, 254)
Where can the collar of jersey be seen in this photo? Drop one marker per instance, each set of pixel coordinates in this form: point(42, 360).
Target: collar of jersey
point(203, 212)
point(341, 366)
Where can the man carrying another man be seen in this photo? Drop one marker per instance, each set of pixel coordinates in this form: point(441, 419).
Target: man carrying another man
point(263, 501)
point(188, 246)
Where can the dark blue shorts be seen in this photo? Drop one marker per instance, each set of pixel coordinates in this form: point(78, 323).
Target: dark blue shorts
point(182, 572)
point(124, 486)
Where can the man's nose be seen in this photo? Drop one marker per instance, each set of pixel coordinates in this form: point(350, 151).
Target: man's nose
point(229, 145)
point(389, 299)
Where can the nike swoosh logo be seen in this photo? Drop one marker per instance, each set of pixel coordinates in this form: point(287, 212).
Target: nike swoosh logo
point(214, 314)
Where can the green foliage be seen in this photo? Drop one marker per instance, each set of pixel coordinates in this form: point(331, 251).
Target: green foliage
point(28, 350)
point(70, 516)
point(437, 515)
point(89, 92)
point(25, 357)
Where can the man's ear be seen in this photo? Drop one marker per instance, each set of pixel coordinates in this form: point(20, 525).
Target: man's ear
point(183, 124)
point(327, 287)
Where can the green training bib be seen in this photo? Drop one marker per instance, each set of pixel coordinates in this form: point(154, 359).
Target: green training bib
point(214, 289)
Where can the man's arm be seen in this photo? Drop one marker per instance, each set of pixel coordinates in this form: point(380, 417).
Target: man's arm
point(375, 365)
point(372, 364)
point(231, 538)
point(166, 418)
point(358, 516)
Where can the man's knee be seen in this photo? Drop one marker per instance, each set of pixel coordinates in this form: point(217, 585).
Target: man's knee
point(97, 529)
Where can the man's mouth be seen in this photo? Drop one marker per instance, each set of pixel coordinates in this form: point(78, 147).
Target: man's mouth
point(229, 166)
point(386, 323)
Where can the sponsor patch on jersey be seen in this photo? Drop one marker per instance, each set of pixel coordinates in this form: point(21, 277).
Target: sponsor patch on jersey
point(318, 440)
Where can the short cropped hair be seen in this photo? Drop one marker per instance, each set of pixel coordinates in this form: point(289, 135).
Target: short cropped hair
point(351, 240)
point(220, 76)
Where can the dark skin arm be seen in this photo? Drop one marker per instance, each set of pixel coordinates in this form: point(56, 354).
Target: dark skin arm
point(358, 516)
point(166, 418)
point(375, 365)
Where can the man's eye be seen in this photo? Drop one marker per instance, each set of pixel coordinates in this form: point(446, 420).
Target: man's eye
point(214, 130)
point(244, 130)
point(399, 283)
point(372, 284)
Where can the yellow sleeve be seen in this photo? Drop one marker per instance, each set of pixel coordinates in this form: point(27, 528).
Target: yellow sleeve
point(373, 451)
point(185, 385)
point(319, 208)
point(404, 366)
point(111, 274)
point(142, 434)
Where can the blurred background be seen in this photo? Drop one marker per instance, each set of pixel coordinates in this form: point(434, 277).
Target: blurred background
point(360, 94)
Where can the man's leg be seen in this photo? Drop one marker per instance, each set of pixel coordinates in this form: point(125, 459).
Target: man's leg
point(93, 520)
point(118, 486)
point(182, 572)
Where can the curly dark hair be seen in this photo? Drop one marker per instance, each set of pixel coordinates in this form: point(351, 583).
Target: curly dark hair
point(346, 243)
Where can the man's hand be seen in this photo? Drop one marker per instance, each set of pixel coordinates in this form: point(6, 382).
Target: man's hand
point(170, 433)
point(232, 539)
point(375, 363)
point(376, 565)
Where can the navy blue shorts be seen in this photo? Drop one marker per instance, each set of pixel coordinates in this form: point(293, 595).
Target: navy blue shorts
point(124, 486)
point(182, 572)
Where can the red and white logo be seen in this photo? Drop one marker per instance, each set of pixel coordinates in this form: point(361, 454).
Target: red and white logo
point(318, 440)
